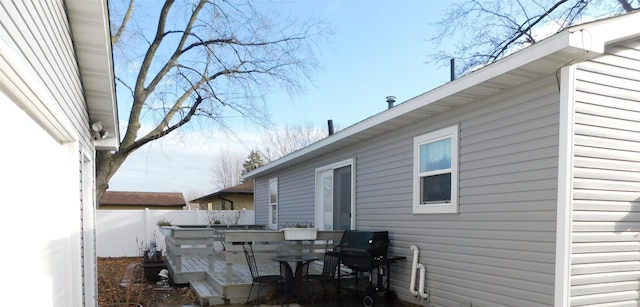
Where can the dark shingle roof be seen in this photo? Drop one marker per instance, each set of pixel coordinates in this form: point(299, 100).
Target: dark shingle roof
point(245, 188)
point(143, 198)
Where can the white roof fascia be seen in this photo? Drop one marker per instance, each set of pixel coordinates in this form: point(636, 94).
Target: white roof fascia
point(582, 42)
point(89, 20)
point(600, 33)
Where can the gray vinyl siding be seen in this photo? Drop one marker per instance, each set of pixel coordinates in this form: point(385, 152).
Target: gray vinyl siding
point(500, 249)
point(293, 191)
point(297, 206)
point(295, 198)
point(261, 201)
point(39, 32)
point(605, 259)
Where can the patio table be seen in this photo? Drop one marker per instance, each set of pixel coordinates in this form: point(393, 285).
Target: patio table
point(293, 278)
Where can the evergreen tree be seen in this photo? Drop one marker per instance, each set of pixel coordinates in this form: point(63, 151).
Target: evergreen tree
point(254, 160)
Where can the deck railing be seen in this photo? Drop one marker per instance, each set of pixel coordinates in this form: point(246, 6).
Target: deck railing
point(266, 243)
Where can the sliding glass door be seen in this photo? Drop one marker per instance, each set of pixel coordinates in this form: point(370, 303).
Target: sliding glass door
point(335, 197)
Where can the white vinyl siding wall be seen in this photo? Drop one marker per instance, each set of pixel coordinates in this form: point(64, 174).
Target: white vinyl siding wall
point(500, 249)
point(39, 34)
point(35, 40)
point(605, 260)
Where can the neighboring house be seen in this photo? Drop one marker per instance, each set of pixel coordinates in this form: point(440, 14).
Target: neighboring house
point(519, 183)
point(234, 198)
point(56, 80)
point(118, 200)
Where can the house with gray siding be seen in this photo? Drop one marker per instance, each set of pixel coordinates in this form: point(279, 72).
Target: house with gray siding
point(518, 183)
point(56, 82)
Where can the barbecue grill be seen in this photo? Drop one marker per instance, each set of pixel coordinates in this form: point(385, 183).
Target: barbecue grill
point(365, 252)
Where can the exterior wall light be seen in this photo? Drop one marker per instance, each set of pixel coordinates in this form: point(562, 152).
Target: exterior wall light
point(98, 130)
point(97, 126)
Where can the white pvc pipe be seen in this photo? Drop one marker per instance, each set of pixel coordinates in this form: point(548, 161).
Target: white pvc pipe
point(414, 267)
point(421, 291)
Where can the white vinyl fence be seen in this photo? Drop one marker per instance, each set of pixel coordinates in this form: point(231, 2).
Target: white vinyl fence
point(122, 233)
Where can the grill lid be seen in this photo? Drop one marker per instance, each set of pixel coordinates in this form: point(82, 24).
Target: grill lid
point(364, 240)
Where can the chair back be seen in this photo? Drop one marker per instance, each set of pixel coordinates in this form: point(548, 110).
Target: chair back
point(251, 260)
point(330, 266)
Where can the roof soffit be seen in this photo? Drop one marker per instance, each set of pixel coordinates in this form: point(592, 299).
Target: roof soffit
point(89, 21)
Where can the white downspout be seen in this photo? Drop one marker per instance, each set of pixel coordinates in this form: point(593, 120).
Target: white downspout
point(415, 266)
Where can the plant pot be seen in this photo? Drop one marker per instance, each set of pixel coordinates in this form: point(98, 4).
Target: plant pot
point(166, 231)
point(152, 268)
point(157, 256)
point(300, 233)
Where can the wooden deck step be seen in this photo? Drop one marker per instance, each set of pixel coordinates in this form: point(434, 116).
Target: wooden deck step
point(206, 292)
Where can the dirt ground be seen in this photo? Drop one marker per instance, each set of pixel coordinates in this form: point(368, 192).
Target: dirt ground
point(113, 289)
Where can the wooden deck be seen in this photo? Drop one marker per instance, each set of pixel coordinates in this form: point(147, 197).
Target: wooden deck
point(241, 274)
point(196, 257)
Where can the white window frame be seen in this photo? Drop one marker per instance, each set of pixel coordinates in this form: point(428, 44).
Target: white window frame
point(273, 181)
point(318, 210)
point(439, 207)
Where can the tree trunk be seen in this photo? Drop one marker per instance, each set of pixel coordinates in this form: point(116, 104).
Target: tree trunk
point(107, 163)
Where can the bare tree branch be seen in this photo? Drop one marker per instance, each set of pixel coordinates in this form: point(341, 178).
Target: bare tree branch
point(479, 32)
point(127, 16)
point(625, 5)
point(227, 168)
point(279, 142)
point(200, 63)
point(170, 63)
point(522, 30)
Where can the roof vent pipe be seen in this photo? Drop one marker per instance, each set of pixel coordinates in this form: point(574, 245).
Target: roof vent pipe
point(330, 124)
point(390, 101)
point(453, 69)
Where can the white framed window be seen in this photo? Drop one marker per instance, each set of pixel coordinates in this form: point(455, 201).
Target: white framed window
point(335, 196)
point(273, 203)
point(435, 171)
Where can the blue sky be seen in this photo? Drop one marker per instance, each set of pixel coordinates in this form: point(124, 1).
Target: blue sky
point(378, 49)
